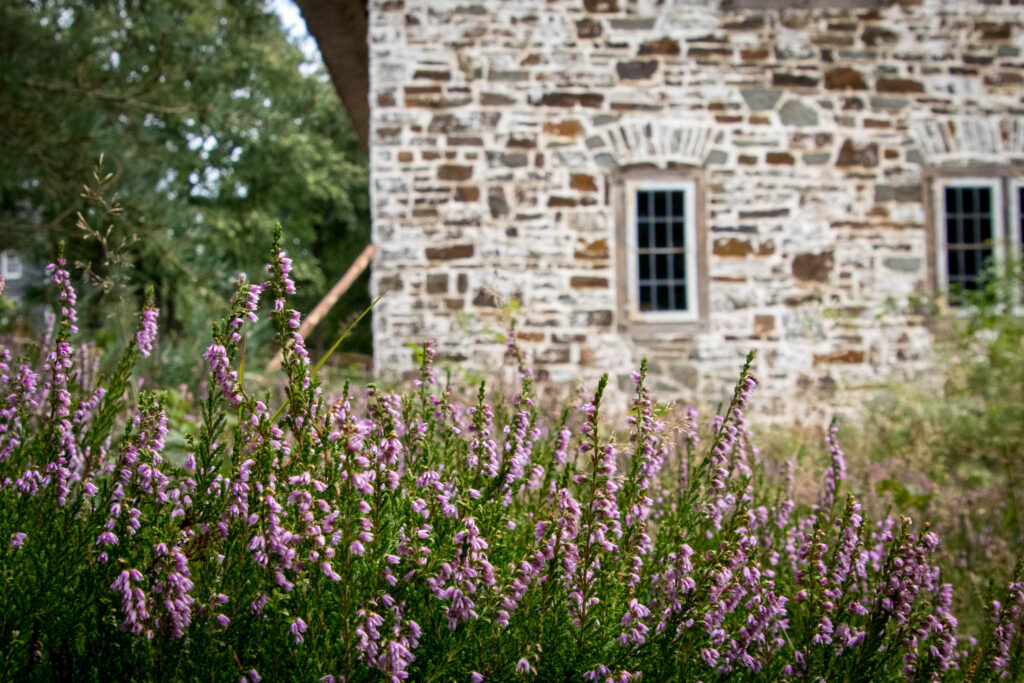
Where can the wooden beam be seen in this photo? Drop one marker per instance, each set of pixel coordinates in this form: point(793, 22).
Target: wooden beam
point(339, 27)
point(331, 298)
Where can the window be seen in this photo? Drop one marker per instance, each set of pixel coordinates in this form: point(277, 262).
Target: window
point(10, 265)
point(977, 230)
point(661, 245)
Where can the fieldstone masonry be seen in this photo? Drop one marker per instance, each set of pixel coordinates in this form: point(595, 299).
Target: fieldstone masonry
point(497, 126)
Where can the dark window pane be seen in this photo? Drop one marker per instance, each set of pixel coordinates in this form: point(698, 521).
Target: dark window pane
point(643, 234)
point(642, 203)
point(951, 236)
point(968, 231)
point(985, 234)
point(677, 203)
point(970, 262)
point(952, 205)
point(660, 235)
point(645, 266)
point(966, 200)
point(663, 298)
point(984, 199)
point(661, 266)
point(659, 203)
point(645, 298)
point(680, 295)
point(679, 266)
point(1020, 211)
point(678, 237)
point(952, 264)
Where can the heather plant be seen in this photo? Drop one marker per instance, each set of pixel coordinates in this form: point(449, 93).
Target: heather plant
point(352, 535)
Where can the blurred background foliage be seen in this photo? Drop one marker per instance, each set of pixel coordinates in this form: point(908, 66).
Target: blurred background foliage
point(211, 128)
point(947, 448)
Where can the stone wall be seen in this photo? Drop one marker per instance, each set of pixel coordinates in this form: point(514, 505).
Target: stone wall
point(497, 127)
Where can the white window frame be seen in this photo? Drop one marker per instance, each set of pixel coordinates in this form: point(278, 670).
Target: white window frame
point(11, 265)
point(999, 217)
point(1015, 215)
point(692, 314)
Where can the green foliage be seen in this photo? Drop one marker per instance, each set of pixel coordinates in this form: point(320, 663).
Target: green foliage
point(208, 132)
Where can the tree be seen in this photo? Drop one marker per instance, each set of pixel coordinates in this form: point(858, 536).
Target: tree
point(211, 135)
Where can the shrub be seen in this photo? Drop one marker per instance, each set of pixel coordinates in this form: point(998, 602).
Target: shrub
point(381, 535)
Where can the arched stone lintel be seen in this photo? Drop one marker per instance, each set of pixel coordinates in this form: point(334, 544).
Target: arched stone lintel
point(660, 142)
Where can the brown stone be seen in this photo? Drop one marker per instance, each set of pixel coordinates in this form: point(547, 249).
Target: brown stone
point(453, 172)
point(747, 160)
point(847, 356)
point(782, 80)
point(728, 118)
point(754, 54)
point(874, 35)
point(486, 298)
point(783, 158)
point(666, 47)
point(424, 212)
point(437, 284)
point(732, 247)
point(813, 267)
point(530, 336)
point(858, 154)
point(749, 23)
point(1004, 79)
point(638, 70)
point(601, 5)
point(598, 249)
point(561, 202)
point(844, 78)
point(588, 282)
point(456, 251)
point(427, 74)
point(467, 194)
point(994, 31)
point(496, 100)
point(588, 28)
point(877, 123)
point(392, 283)
point(386, 99)
point(764, 325)
point(532, 59)
point(766, 248)
point(899, 85)
point(405, 157)
point(766, 213)
point(521, 143)
point(582, 182)
point(462, 283)
point(569, 128)
point(569, 99)
point(759, 120)
point(454, 304)
point(699, 53)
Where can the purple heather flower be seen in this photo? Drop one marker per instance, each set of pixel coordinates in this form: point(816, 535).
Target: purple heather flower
point(297, 628)
point(18, 539)
point(146, 335)
point(523, 667)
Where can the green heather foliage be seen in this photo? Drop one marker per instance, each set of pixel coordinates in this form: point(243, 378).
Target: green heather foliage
point(382, 536)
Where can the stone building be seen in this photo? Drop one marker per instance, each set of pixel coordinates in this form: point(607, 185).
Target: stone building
point(690, 179)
